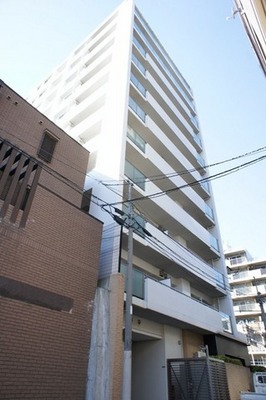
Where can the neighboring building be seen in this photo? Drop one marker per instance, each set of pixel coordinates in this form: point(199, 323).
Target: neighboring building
point(253, 16)
point(247, 278)
point(121, 96)
point(49, 253)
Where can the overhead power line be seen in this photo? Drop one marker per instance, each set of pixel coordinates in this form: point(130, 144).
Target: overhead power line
point(154, 178)
point(197, 182)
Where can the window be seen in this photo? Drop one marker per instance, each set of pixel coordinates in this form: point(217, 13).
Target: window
point(47, 146)
point(86, 200)
point(226, 322)
point(262, 379)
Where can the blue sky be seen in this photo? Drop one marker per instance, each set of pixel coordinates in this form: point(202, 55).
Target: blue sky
point(212, 53)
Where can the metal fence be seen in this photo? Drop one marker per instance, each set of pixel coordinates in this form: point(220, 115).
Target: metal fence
point(197, 379)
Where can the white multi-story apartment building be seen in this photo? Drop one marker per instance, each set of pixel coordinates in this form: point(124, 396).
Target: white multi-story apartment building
point(253, 16)
point(121, 96)
point(247, 278)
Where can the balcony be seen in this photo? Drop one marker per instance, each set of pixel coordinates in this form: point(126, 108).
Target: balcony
point(168, 88)
point(242, 310)
point(173, 130)
point(153, 164)
point(248, 291)
point(167, 302)
point(164, 67)
point(245, 276)
point(177, 261)
point(170, 106)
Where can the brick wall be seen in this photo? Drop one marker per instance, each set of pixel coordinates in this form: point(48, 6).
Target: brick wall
point(43, 351)
point(23, 126)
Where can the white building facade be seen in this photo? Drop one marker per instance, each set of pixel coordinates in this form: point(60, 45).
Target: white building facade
point(120, 95)
point(253, 16)
point(247, 278)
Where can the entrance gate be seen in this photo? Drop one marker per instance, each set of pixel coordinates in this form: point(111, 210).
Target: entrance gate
point(197, 379)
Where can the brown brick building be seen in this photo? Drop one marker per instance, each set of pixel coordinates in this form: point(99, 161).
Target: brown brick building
point(49, 252)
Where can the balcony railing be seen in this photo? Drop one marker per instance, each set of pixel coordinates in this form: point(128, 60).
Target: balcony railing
point(138, 84)
point(168, 301)
point(197, 140)
point(163, 64)
point(194, 120)
point(248, 291)
point(137, 109)
point(261, 362)
point(162, 298)
point(214, 243)
point(138, 64)
point(247, 308)
point(248, 275)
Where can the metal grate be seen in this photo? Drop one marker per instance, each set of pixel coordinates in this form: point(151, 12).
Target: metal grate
point(197, 379)
point(19, 175)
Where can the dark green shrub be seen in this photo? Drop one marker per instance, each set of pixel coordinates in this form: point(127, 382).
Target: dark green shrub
point(228, 359)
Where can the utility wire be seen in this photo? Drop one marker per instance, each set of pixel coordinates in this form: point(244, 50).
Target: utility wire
point(158, 194)
point(154, 178)
point(197, 182)
point(103, 204)
point(167, 251)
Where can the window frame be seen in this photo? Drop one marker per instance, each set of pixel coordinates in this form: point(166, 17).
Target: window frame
point(44, 153)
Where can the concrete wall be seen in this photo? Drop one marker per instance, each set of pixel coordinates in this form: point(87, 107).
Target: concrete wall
point(149, 364)
point(116, 327)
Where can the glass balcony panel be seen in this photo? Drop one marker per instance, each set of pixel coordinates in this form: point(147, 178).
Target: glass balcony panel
point(239, 275)
point(137, 109)
point(247, 308)
point(138, 85)
point(237, 260)
point(137, 281)
point(200, 160)
point(197, 140)
point(165, 67)
point(164, 52)
point(194, 120)
point(209, 211)
point(135, 175)
point(214, 243)
point(138, 64)
point(205, 186)
point(139, 46)
point(136, 139)
point(220, 280)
